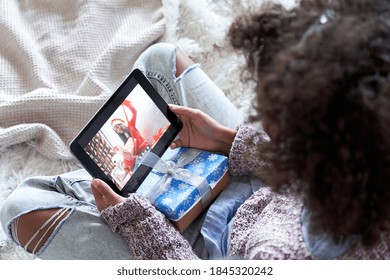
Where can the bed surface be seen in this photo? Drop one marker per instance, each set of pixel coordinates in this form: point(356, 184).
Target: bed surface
point(59, 63)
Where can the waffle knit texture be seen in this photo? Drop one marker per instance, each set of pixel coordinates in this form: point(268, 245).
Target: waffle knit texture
point(60, 61)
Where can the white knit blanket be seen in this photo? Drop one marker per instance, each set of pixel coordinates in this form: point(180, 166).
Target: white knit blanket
point(60, 60)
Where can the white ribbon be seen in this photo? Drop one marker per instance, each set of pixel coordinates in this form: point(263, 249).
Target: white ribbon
point(172, 170)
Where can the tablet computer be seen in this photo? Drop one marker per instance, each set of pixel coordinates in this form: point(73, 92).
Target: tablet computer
point(134, 121)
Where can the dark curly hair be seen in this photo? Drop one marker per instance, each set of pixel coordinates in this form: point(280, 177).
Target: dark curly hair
point(323, 96)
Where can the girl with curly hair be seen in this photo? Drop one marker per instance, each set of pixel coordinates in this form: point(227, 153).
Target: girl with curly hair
point(322, 73)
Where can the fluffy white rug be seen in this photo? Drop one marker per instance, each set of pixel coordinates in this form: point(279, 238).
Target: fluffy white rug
point(199, 28)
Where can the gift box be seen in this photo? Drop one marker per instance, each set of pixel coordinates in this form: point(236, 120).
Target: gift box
point(184, 182)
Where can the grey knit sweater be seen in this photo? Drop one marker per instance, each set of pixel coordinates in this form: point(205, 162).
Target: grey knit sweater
point(266, 226)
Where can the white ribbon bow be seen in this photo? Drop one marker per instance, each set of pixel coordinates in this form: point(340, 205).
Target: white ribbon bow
point(172, 170)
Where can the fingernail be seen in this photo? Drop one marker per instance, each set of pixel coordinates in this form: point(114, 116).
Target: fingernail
point(95, 182)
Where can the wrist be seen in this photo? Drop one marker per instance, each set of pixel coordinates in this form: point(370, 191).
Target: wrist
point(226, 140)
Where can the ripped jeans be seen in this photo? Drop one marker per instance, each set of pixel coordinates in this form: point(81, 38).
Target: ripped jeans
point(80, 232)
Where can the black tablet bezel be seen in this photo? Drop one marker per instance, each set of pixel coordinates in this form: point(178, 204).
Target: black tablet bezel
point(105, 112)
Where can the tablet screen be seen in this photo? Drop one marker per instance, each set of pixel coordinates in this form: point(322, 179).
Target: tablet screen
point(134, 121)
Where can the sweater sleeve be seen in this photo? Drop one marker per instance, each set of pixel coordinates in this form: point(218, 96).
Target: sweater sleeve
point(245, 155)
point(147, 232)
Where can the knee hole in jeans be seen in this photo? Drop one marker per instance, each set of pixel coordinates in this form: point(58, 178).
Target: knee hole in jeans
point(33, 229)
point(183, 62)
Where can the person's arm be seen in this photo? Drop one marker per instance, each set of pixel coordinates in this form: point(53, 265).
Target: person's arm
point(247, 154)
point(244, 146)
point(147, 232)
point(202, 132)
point(133, 119)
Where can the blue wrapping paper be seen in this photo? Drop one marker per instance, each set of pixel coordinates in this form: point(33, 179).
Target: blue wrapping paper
point(180, 196)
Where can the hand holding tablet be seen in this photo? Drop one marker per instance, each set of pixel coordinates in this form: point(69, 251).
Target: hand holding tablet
point(134, 121)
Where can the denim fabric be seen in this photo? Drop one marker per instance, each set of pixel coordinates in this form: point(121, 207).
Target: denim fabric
point(193, 88)
point(220, 216)
point(321, 246)
point(83, 235)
